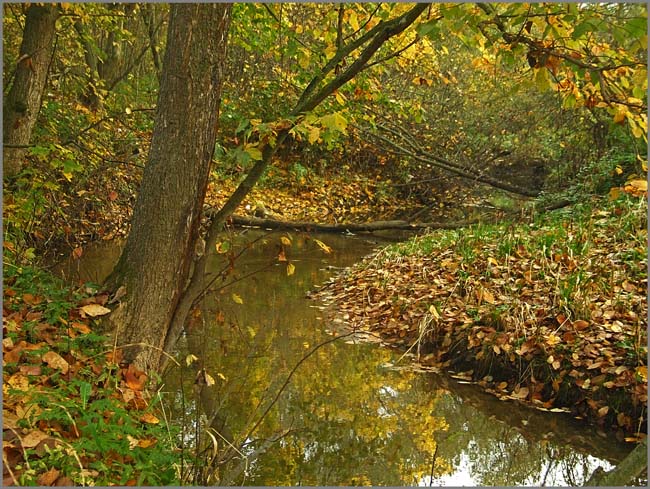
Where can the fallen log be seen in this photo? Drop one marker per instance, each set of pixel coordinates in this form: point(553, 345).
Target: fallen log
point(270, 223)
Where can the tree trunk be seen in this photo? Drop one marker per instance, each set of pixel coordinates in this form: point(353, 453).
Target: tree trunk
point(633, 466)
point(155, 263)
point(23, 101)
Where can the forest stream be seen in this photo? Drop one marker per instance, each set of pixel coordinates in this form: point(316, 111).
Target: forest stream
point(351, 413)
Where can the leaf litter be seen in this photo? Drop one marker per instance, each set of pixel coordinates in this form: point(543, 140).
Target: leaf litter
point(551, 314)
point(57, 391)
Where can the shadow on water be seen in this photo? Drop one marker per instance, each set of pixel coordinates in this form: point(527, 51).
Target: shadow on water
point(345, 417)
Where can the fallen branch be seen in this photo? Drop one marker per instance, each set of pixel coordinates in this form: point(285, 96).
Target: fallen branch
point(342, 227)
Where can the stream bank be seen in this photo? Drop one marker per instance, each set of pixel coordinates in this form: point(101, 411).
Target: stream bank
point(551, 314)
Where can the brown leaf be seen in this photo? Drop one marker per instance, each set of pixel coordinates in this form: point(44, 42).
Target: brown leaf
point(81, 327)
point(33, 438)
point(48, 478)
point(54, 360)
point(580, 324)
point(31, 299)
point(64, 481)
point(94, 310)
point(13, 356)
point(135, 378)
point(30, 369)
point(77, 252)
point(147, 442)
point(520, 393)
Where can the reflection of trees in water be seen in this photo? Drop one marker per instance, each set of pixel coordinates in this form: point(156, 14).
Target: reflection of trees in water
point(341, 419)
point(344, 422)
point(498, 453)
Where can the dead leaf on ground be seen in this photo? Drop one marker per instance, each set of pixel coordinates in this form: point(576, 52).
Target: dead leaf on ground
point(95, 310)
point(48, 478)
point(33, 438)
point(54, 360)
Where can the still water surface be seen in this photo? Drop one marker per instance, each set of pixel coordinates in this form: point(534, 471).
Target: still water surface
point(348, 414)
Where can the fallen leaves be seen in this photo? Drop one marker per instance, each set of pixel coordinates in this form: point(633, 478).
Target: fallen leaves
point(499, 310)
point(38, 423)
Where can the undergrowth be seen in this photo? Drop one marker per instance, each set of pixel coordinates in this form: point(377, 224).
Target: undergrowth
point(71, 414)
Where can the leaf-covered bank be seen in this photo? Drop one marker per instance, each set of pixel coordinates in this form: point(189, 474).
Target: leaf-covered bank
point(550, 313)
point(72, 415)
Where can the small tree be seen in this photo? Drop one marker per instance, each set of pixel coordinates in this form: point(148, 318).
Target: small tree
point(23, 101)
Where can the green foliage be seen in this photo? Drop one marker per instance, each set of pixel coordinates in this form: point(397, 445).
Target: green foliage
point(97, 438)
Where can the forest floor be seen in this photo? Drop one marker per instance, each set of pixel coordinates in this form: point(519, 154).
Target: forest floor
point(70, 414)
point(551, 313)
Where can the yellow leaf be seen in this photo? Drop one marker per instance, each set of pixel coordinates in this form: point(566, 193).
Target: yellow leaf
point(639, 184)
point(237, 299)
point(190, 359)
point(642, 373)
point(434, 312)
point(620, 116)
point(354, 22)
point(290, 269)
point(221, 376)
point(314, 135)
point(286, 240)
point(614, 193)
point(488, 296)
point(323, 246)
point(209, 380)
point(552, 340)
point(133, 442)
point(149, 418)
point(303, 58)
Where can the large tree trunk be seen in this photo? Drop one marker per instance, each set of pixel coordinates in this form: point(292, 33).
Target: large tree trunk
point(155, 263)
point(23, 101)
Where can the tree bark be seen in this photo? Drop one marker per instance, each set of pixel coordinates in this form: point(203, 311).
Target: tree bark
point(23, 101)
point(631, 467)
point(155, 264)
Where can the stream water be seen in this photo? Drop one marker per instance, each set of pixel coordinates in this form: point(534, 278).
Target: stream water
point(346, 413)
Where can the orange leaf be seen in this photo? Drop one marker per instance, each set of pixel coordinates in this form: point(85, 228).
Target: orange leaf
point(149, 418)
point(134, 378)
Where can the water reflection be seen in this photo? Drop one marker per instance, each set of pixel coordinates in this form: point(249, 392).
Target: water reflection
point(342, 417)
